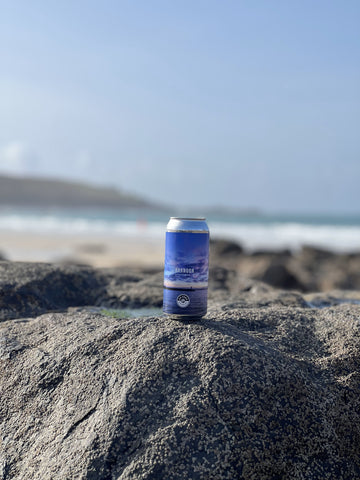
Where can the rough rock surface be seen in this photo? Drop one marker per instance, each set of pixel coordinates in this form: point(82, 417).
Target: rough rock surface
point(266, 386)
point(28, 289)
point(225, 248)
point(309, 269)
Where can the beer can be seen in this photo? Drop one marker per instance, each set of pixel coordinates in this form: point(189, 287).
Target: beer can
point(186, 269)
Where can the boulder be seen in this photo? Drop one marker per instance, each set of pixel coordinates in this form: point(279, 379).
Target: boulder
point(265, 386)
point(225, 248)
point(283, 253)
point(28, 289)
point(277, 271)
point(241, 394)
point(279, 275)
point(311, 253)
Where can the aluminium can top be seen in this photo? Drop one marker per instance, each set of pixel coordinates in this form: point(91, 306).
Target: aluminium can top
point(186, 224)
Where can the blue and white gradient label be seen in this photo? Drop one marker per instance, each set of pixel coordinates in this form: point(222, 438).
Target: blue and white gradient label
point(186, 273)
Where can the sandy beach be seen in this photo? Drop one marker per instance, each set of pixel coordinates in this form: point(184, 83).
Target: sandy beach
point(98, 250)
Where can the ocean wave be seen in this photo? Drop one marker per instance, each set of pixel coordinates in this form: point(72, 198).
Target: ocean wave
point(252, 236)
point(52, 224)
point(290, 235)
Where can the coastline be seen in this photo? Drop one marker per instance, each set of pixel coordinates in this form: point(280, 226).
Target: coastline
point(98, 250)
point(309, 269)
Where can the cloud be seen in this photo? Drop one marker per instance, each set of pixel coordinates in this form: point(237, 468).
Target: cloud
point(17, 159)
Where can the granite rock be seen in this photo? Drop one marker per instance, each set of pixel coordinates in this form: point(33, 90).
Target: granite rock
point(28, 289)
point(308, 269)
point(221, 248)
point(266, 386)
point(278, 274)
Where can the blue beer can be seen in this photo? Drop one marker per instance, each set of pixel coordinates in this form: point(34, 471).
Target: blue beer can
point(186, 269)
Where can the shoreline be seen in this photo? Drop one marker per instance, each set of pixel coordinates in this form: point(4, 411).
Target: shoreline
point(97, 250)
point(309, 269)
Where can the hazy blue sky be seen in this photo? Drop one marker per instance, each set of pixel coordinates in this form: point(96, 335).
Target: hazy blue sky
point(242, 103)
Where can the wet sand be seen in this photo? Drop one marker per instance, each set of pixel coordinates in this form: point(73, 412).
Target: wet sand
point(97, 250)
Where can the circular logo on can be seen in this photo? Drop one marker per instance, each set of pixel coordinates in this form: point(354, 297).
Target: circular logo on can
point(183, 300)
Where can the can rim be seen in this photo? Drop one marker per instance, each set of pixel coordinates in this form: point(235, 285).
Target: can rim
point(188, 218)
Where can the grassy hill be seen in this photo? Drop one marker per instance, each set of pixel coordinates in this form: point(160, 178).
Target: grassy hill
point(41, 192)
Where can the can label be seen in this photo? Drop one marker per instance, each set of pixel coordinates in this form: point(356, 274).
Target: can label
point(186, 273)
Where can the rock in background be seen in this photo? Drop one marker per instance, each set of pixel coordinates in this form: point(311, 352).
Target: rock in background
point(309, 269)
point(266, 386)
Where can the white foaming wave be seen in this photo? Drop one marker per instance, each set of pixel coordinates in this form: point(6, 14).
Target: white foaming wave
point(251, 235)
point(46, 224)
point(52, 224)
point(290, 235)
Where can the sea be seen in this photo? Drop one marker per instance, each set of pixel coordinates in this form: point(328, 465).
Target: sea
point(254, 231)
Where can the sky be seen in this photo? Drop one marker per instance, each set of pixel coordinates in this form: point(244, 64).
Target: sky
point(233, 103)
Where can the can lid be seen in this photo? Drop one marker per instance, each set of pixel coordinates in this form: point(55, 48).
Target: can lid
point(187, 224)
point(195, 219)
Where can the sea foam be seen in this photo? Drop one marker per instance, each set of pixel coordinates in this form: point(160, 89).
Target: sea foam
point(252, 235)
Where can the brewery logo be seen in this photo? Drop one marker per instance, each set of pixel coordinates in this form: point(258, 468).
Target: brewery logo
point(183, 300)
